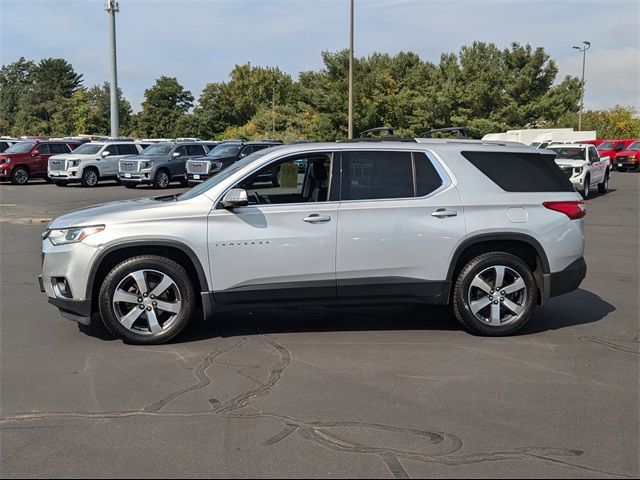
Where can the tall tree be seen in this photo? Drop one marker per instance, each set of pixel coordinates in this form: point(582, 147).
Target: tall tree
point(166, 102)
point(15, 79)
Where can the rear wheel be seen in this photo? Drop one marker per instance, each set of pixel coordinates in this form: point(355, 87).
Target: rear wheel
point(147, 299)
point(161, 180)
point(604, 186)
point(20, 176)
point(90, 177)
point(494, 294)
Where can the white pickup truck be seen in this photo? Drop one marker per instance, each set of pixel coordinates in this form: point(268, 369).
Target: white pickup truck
point(582, 164)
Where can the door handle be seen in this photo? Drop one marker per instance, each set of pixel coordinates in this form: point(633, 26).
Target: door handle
point(443, 213)
point(315, 218)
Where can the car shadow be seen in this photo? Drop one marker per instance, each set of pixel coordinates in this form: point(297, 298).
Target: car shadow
point(577, 308)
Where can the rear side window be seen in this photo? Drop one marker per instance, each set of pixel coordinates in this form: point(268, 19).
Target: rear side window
point(57, 148)
point(371, 175)
point(193, 150)
point(126, 149)
point(521, 172)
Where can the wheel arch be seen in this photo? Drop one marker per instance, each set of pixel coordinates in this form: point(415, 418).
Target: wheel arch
point(174, 250)
point(521, 245)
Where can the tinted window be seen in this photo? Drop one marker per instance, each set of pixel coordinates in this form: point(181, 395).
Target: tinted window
point(427, 177)
point(125, 149)
point(43, 148)
point(195, 150)
point(247, 151)
point(593, 154)
point(56, 148)
point(375, 175)
point(521, 172)
point(182, 150)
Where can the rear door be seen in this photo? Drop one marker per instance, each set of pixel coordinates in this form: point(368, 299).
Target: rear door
point(398, 220)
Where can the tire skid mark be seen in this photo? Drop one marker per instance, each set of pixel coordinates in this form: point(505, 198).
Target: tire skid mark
point(319, 432)
point(621, 345)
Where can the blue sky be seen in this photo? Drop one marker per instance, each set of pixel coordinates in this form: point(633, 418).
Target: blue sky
point(199, 41)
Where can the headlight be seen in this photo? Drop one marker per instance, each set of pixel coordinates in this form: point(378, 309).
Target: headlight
point(216, 166)
point(74, 163)
point(577, 170)
point(146, 165)
point(5, 160)
point(64, 236)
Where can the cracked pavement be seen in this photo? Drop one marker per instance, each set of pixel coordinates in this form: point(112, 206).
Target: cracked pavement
point(384, 392)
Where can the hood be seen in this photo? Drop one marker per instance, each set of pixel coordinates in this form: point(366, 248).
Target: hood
point(73, 156)
point(12, 155)
point(628, 153)
point(570, 163)
point(214, 159)
point(111, 212)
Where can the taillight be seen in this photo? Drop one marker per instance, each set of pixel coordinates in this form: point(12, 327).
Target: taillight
point(573, 209)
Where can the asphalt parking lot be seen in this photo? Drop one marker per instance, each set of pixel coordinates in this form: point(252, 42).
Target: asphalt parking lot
point(358, 392)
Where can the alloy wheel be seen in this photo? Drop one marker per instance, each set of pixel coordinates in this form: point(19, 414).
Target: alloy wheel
point(147, 301)
point(497, 295)
point(21, 176)
point(90, 178)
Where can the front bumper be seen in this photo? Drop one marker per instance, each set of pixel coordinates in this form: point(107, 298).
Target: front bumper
point(63, 175)
point(625, 164)
point(68, 262)
point(137, 177)
point(198, 177)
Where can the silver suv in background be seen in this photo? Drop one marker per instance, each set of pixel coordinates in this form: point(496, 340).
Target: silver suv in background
point(489, 229)
point(91, 162)
point(159, 164)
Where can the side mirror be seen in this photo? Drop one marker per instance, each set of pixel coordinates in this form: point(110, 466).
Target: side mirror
point(36, 152)
point(106, 153)
point(236, 197)
point(175, 154)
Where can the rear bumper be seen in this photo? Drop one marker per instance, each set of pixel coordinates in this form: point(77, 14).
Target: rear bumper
point(567, 280)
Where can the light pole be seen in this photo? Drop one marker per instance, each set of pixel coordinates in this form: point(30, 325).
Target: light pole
point(583, 49)
point(351, 71)
point(112, 8)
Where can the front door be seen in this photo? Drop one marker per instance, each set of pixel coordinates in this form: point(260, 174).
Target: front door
point(398, 223)
point(282, 246)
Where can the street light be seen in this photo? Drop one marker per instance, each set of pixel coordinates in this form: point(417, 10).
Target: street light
point(351, 71)
point(112, 8)
point(587, 46)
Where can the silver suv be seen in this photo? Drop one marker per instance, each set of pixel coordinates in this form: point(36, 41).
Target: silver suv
point(159, 164)
point(491, 230)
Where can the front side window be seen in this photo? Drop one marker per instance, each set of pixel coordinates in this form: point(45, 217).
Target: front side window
point(297, 179)
point(43, 148)
point(593, 154)
point(182, 150)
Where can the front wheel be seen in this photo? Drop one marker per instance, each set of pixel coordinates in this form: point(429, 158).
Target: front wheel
point(147, 299)
point(161, 180)
point(586, 189)
point(90, 177)
point(494, 294)
point(604, 186)
point(20, 176)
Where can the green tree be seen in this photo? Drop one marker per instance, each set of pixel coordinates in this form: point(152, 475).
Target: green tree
point(617, 122)
point(166, 102)
point(15, 79)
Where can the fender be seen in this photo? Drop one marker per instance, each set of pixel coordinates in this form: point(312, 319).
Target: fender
point(498, 236)
point(202, 278)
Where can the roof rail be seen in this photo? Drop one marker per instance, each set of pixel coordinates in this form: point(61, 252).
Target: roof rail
point(461, 132)
point(367, 133)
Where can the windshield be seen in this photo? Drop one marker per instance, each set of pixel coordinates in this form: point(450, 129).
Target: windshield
point(605, 146)
point(225, 150)
point(571, 153)
point(224, 174)
point(158, 149)
point(20, 147)
point(89, 148)
point(634, 146)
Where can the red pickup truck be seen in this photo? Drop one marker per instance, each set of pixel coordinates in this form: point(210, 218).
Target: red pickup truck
point(30, 158)
point(628, 158)
point(610, 147)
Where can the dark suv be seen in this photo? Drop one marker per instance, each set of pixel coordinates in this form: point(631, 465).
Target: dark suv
point(225, 154)
point(30, 158)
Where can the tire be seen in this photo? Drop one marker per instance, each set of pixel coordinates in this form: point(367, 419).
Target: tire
point(478, 276)
point(142, 320)
point(604, 186)
point(90, 177)
point(622, 169)
point(130, 184)
point(586, 190)
point(161, 180)
point(184, 182)
point(20, 175)
point(47, 178)
point(61, 184)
